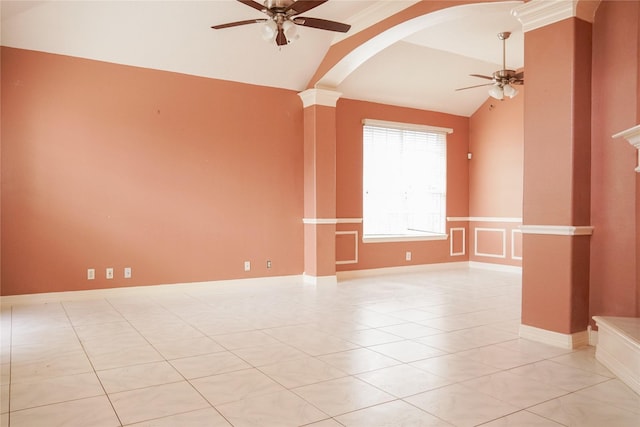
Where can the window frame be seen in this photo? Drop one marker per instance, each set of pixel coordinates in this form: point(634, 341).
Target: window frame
point(424, 236)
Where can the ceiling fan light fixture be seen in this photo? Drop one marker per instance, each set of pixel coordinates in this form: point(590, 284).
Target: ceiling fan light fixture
point(510, 91)
point(290, 31)
point(282, 19)
point(496, 91)
point(502, 81)
point(269, 30)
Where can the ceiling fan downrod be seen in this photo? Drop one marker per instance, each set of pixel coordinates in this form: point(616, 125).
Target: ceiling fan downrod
point(504, 36)
point(504, 79)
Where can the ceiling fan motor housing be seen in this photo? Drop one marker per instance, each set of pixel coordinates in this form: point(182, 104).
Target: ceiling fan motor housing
point(503, 77)
point(502, 80)
point(277, 4)
point(283, 17)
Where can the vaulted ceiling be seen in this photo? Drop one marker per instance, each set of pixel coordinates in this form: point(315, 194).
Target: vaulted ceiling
point(421, 70)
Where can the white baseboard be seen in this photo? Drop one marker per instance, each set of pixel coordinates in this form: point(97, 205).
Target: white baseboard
point(211, 286)
point(49, 297)
point(495, 267)
point(619, 349)
point(319, 280)
point(593, 336)
point(611, 362)
point(556, 339)
point(405, 269)
point(408, 269)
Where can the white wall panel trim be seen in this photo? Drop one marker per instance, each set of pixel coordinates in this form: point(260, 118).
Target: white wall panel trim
point(513, 244)
point(504, 242)
point(452, 231)
point(355, 244)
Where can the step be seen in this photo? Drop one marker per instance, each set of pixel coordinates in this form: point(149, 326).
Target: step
point(618, 347)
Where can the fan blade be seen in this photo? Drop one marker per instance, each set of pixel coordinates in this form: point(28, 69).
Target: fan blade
point(235, 24)
point(253, 4)
point(471, 87)
point(281, 39)
point(481, 76)
point(302, 6)
point(517, 82)
point(322, 24)
point(519, 75)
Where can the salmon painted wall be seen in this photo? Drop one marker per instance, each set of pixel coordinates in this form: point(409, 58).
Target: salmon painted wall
point(496, 141)
point(615, 194)
point(180, 178)
point(350, 114)
point(319, 189)
point(556, 174)
point(319, 170)
point(549, 197)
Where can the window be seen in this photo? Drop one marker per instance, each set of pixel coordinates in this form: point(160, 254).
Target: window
point(404, 181)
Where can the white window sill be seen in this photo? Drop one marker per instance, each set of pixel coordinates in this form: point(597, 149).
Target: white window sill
point(403, 238)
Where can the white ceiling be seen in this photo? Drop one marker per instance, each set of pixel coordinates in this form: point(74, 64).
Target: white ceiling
point(422, 70)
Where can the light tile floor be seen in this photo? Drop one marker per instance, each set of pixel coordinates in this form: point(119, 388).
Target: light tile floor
point(424, 349)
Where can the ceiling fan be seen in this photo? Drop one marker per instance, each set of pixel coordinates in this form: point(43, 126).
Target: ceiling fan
point(283, 18)
point(503, 80)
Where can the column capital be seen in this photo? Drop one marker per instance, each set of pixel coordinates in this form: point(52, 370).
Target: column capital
point(539, 13)
point(633, 136)
point(315, 96)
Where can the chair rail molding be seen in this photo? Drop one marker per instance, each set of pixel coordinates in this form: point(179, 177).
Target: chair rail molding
point(558, 230)
point(483, 219)
point(633, 136)
point(332, 220)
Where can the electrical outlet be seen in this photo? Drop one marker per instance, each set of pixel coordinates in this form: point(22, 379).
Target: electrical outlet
point(247, 266)
point(109, 273)
point(127, 272)
point(407, 256)
point(268, 263)
point(91, 273)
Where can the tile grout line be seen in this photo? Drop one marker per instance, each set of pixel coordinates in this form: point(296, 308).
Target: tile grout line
point(90, 361)
point(173, 367)
point(10, 365)
point(321, 309)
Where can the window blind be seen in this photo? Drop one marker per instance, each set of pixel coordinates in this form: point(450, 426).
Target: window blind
point(404, 180)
